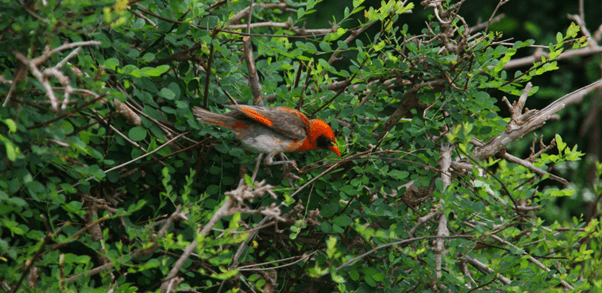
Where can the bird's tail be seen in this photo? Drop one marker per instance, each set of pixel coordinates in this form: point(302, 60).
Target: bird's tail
point(213, 118)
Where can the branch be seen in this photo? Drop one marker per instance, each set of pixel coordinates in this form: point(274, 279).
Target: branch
point(536, 57)
point(239, 15)
point(311, 33)
point(442, 231)
point(566, 285)
point(223, 211)
point(229, 207)
point(532, 167)
point(252, 267)
point(485, 269)
point(42, 77)
point(527, 122)
point(409, 101)
point(423, 220)
point(405, 241)
point(253, 76)
point(132, 255)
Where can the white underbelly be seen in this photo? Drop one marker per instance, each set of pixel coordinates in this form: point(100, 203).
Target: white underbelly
point(266, 143)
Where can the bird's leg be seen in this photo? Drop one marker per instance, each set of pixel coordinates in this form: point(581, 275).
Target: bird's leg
point(269, 160)
point(287, 170)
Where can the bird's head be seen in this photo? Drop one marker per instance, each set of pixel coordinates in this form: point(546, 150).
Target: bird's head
point(320, 133)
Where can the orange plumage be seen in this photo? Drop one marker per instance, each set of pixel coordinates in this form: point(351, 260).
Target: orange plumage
point(272, 130)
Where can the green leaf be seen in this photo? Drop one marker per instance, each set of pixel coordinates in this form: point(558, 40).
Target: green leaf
point(68, 188)
point(399, 174)
point(379, 46)
point(560, 144)
point(137, 133)
point(131, 70)
point(11, 152)
point(300, 12)
point(325, 47)
point(12, 126)
point(378, 277)
point(486, 130)
point(148, 57)
point(348, 189)
point(343, 221)
point(111, 63)
point(354, 275)
point(154, 71)
point(369, 280)
point(329, 210)
point(167, 93)
point(439, 184)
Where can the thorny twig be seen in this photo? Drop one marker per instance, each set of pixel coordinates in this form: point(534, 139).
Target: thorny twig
point(42, 76)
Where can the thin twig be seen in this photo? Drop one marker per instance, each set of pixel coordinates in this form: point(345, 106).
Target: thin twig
point(400, 243)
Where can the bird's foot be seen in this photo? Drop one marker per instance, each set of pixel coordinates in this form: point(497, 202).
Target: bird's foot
point(269, 160)
point(287, 168)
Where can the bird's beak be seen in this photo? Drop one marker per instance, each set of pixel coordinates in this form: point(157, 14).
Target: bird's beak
point(335, 149)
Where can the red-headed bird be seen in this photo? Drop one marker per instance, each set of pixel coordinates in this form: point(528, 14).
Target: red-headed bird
point(272, 130)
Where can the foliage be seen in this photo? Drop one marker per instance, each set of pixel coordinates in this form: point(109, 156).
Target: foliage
point(108, 180)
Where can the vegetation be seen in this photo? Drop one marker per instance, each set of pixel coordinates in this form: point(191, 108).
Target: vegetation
point(110, 183)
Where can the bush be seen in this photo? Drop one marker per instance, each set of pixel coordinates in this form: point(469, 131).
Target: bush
point(109, 181)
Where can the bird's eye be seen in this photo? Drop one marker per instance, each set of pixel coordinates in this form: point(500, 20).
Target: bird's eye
point(324, 142)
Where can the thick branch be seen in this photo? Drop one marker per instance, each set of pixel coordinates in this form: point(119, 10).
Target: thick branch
point(534, 120)
point(442, 231)
point(253, 77)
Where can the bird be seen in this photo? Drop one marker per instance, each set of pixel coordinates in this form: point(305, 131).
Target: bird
point(273, 130)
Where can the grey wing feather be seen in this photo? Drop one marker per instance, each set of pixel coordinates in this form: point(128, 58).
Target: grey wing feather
point(287, 123)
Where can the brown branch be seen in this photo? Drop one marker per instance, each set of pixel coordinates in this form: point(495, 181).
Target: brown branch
point(304, 88)
point(483, 25)
point(500, 4)
point(31, 262)
point(253, 76)
point(485, 269)
point(284, 25)
point(42, 77)
point(442, 230)
point(253, 267)
point(127, 113)
point(531, 167)
point(20, 73)
point(530, 121)
point(228, 208)
point(250, 16)
point(409, 102)
point(208, 73)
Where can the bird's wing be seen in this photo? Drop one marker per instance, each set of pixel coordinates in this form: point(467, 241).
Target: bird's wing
point(289, 122)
